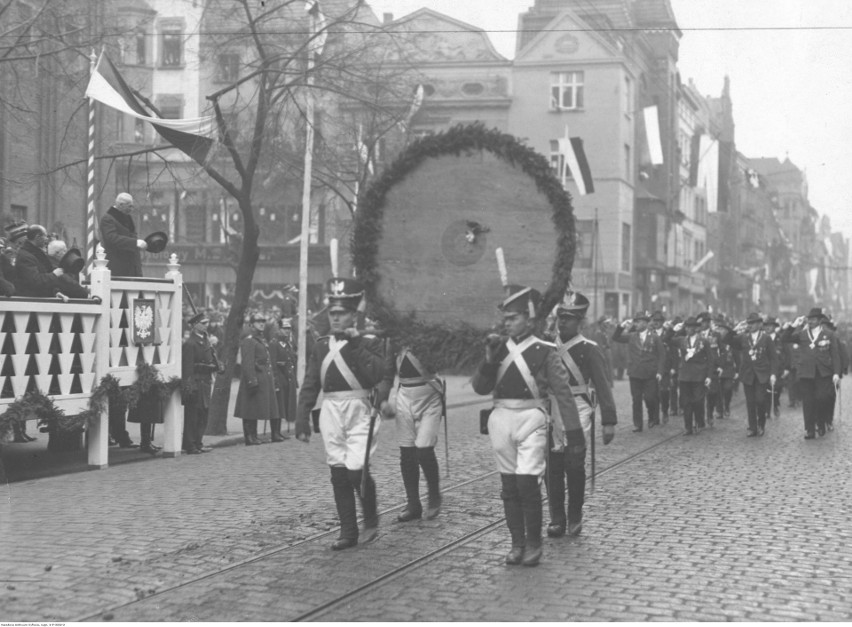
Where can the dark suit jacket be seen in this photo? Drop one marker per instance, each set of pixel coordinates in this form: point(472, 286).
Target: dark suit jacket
point(7, 275)
point(34, 273)
point(648, 358)
point(823, 360)
point(119, 239)
point(695, 362)
point(757, 360)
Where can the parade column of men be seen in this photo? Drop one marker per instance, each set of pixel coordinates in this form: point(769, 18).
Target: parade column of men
point(647, 360)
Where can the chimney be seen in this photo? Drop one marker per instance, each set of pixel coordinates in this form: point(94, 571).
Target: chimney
point(387, 18)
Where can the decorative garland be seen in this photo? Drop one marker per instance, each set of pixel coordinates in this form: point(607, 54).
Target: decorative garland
point(33, 403)
point(458, 348)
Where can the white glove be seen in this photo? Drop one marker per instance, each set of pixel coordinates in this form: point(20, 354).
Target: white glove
point(799, 321)
point(351, 332)
point(707, 382)
point(772, 379)
point(678, 327)
point(59, 271)
point(141, 244)
point(626, 324)
point(836, 379)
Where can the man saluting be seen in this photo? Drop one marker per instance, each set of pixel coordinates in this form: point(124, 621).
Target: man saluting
point(345, 366)
point(520, 372)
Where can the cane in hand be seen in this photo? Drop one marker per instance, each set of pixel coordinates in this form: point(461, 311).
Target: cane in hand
point(446, 427)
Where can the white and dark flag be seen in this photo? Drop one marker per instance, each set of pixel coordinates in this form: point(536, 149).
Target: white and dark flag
point(575, 164)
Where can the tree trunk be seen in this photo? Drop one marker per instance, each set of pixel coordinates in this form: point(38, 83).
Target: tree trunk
point(218, 413)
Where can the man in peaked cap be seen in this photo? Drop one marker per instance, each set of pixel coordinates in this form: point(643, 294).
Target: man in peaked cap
point(758, 365)
point(517, 425)
point(819, 368)
point(199, 363)
point(345, 366)
point(647, 362)
point(587, 377)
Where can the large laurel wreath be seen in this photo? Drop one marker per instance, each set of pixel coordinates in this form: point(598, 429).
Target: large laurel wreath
point(439, 347)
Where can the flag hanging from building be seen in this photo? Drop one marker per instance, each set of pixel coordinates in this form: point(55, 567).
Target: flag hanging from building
point(193, 136)
point(652, 133)
point(575, 164)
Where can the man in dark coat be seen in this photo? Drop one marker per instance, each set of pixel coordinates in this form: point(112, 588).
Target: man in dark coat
point(695, 365)
point(727, 367)
point(758, 368)
point(7, 288)
point(256, 395)
point(283, 357)
point(69, 284)
point(119, 239)
point(819, 368)
point(647, 355)
point(34, 273)
point(198, 363)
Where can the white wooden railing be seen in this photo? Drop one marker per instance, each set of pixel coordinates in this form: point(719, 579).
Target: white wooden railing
point(64, 349)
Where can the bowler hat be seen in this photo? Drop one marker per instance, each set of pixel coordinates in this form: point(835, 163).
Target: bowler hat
point(72, 261)
point(157, 242)
point(754, 317)
point(816, 312)
point(658, 315)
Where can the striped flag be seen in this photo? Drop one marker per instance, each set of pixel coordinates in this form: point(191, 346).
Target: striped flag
point(194, 136)
point(575, 164)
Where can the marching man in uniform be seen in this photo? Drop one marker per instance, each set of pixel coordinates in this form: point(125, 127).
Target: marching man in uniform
point(417, 401)
point(587, 377)
point(520, 372)
point(345, 366)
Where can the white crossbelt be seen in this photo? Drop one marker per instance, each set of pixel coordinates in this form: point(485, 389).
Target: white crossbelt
point(516, 356)
point(582, 386)
point(334, 356)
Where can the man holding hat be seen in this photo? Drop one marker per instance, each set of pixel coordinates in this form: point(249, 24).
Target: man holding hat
point(345, 366)
point(695, 364)
point(819, 368)
point(587, 377)
point(758, 365)
point(69, 284)
point(646, 365)
point(119, 239)
point(520, 372)
point(706, 330)
point(199, 363)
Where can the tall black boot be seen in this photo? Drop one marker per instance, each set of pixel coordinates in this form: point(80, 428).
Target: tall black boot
point(344, 499)
point(275, 427)
point(411, 480)
point(554, 479)
point(429, 464)
point(369, 505)
point(575, 472)
point(530, 492)
point(514, 518)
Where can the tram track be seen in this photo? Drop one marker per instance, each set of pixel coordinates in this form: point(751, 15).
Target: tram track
point(390, 575)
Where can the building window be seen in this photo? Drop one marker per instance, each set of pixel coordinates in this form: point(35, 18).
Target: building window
point(228, 69)
point(195, 221)
point(585, 231)
point(628, 164)
point(141, 47)
point(628, 97)
point(172, 40)
point(625, 247)
point(19, 212)
point(170, 106)
point(566, 91)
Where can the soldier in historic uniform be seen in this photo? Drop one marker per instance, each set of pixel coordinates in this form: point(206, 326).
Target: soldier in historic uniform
point(520, 371)
point(727, 367)
point(283, 357)
point(695, 364)
point(819, 368)
point(587, 376)
point(345, 366)
point(417, 401)
point(647, 356)
point(256, 394)
point(758, 368)
point(199, 363)
point(658, 320)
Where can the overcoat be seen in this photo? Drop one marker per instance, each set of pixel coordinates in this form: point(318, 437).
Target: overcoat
point(120, 242)
point(198, 363)
point(284, 370)
point(34, 273)
point(256, 395)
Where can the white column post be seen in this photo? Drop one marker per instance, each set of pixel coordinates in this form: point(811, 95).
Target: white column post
point(173, 413)
point(98, 433)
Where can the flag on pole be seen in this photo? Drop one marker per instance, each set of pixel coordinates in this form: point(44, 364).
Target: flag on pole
point(318, 27)
point(652, 133)
point(575, 163)
point(193, 136)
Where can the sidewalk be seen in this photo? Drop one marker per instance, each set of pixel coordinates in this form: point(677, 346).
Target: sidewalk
point(22, 462)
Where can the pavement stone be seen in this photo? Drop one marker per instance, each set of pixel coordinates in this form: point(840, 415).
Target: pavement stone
point(713, 527)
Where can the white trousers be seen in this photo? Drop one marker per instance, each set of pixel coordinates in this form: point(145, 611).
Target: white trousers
point(418, 415)
point(584, 409)
point(519, 438)
point(344, 425)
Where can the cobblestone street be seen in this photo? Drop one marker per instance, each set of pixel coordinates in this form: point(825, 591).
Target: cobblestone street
point(713, 527)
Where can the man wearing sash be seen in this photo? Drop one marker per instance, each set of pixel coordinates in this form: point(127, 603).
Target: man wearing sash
point(520, 372)
point(819, 368)
point(345, 366)
point(587, 377)
point(417, 402)
point(758, 365)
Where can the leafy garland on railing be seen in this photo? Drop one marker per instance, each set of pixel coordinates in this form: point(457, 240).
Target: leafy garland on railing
point(463, 345)
point(33, 403)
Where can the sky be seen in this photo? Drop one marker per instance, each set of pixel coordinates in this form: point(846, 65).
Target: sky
point(790, 65)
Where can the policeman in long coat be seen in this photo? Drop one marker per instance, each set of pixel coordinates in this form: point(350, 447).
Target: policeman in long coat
point(256, 395)
point(819, 368)
point(199, 363)
point(345, 366)
point(520, 371)
point(758, 368)
point(587, 375)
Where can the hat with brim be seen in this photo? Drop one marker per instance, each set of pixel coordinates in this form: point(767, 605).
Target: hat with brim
point(816, 312)
point(572, 305)
point(753, 317)
point(642, 315)
point(257, 317)
point(703, 316)
point(691, 322)
point(17, 230)
point(72, 261)
point(157, 242)
point(200, 316)
point(770, 321)
point(658, 316)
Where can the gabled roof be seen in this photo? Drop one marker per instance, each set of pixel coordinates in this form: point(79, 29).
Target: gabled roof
point(655, 14)
point(553, 24)
point(771, 166)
